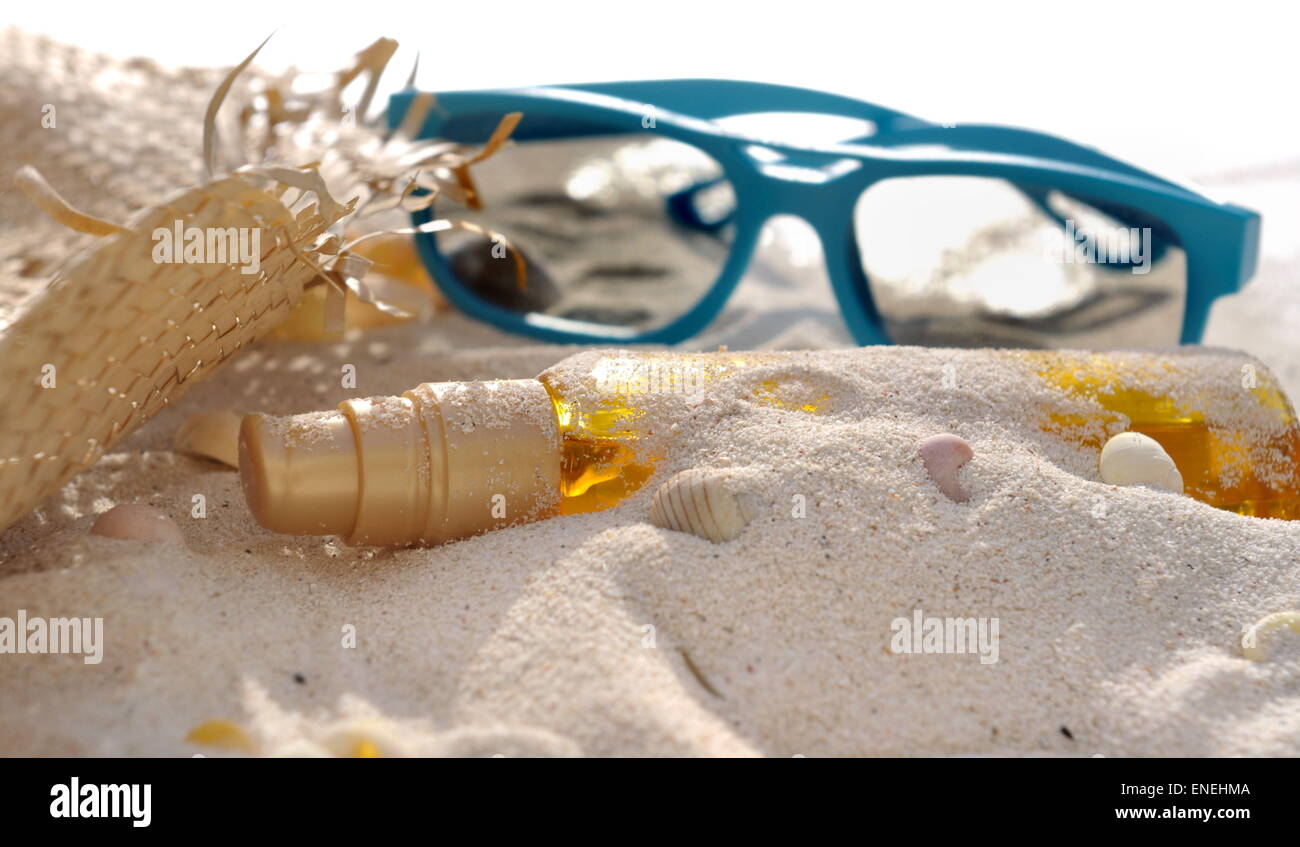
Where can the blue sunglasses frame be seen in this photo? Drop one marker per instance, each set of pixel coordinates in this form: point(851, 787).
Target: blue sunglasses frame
point(1220, 240)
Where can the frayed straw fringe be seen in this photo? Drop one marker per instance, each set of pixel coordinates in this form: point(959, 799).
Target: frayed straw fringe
point(117, 336)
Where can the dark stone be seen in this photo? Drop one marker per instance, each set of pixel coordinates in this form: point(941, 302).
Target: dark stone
point(494, 278)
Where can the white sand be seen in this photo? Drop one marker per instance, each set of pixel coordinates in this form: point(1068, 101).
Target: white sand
point(1125, 629)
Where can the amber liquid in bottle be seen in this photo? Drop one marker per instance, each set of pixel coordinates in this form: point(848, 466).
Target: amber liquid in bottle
point(600, 465)
point(1250, 470)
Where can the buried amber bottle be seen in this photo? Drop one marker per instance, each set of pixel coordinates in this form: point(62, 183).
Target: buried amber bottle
point(1221, 417)
point(448, 460)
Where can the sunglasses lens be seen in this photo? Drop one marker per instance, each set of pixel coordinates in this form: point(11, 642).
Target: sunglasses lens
point(970, 261)
point(616, 229)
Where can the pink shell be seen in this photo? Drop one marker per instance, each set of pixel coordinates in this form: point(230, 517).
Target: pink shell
point(138, 522)
point(943, 456)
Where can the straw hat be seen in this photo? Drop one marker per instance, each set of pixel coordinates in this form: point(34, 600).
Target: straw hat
point(97, 331)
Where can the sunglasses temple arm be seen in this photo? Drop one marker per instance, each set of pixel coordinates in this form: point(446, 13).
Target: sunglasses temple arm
point(473, 128)
point(1158, 244)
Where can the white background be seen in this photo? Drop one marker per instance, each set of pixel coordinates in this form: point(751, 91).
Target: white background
point(1196, 89)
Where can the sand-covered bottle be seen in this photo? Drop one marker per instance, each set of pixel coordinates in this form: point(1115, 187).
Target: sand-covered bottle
point(449, 460)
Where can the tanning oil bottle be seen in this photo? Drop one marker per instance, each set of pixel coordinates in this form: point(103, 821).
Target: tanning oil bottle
point(449, 460)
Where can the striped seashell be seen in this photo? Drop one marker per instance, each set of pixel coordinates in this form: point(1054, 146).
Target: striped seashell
point(706, 502)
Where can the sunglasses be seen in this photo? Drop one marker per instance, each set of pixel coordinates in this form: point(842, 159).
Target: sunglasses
point(636, 208)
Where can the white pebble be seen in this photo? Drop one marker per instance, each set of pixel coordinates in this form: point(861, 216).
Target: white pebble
point(138, 522)
point(1132, 458)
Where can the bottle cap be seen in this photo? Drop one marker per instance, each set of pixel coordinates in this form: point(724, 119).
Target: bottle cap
point(442, 461)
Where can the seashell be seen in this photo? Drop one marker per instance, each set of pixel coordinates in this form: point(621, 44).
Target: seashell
point(1251, 648)
point(212, 435)
point(138, 522)
point(1132, 458)
point(704, 502)
point(943, 456)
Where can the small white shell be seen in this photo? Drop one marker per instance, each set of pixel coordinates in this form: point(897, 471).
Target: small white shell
point(1132, 458)
point(704, 502)
point(1251, 648)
